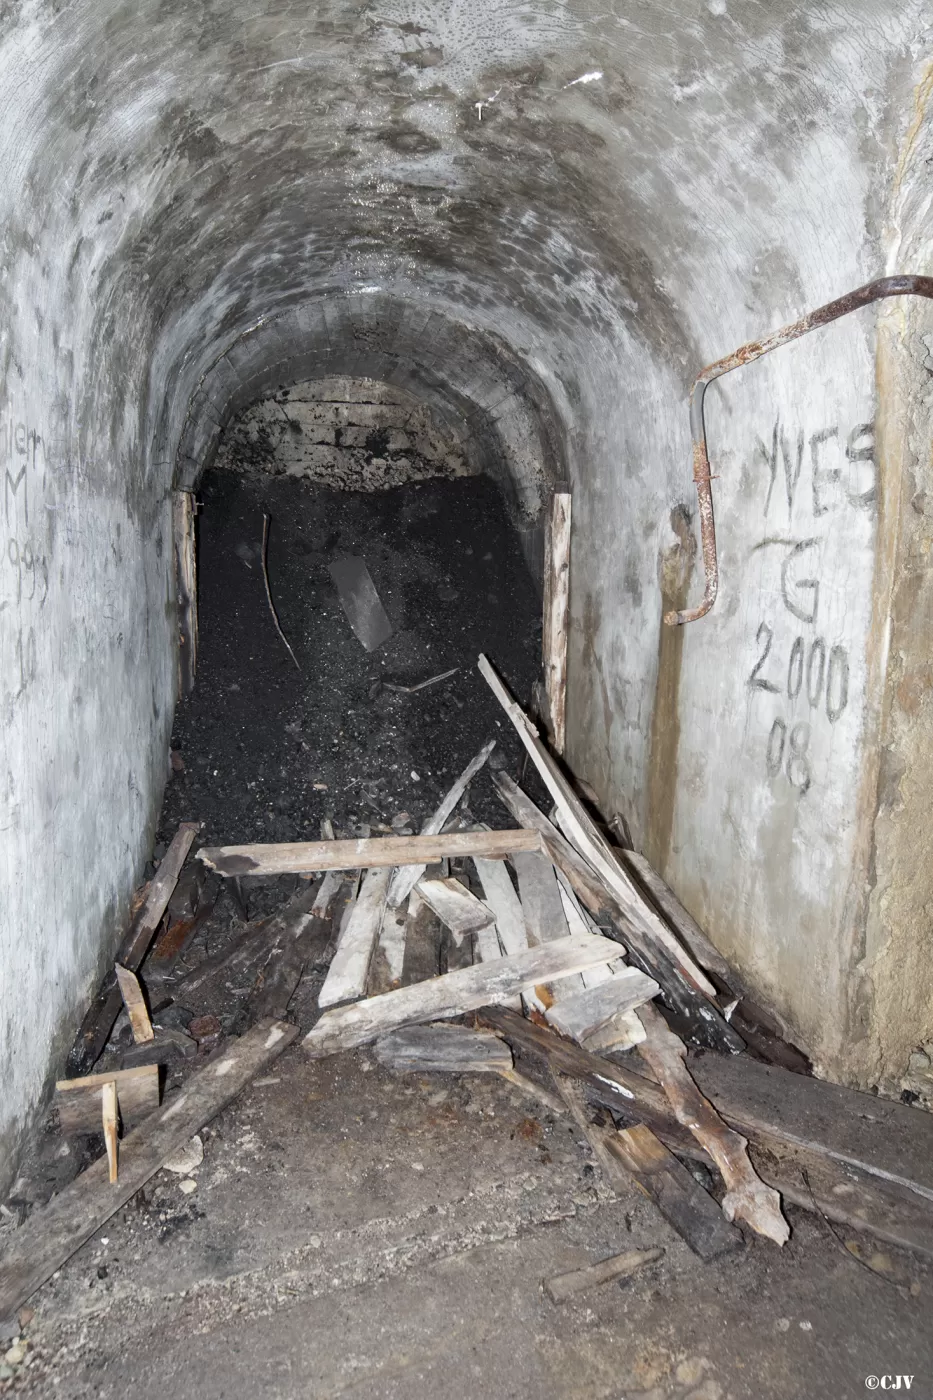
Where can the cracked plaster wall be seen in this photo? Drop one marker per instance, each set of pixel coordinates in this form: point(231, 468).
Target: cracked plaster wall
point(196, 198)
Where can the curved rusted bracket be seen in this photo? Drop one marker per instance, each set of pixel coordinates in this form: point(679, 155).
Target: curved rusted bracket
point(872, 291)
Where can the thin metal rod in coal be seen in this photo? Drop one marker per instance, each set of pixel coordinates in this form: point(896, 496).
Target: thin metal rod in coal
point(862, 296)
point(265, 579)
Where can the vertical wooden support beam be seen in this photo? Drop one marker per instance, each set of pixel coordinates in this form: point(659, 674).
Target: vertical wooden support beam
point(184, 511)
point(557, 614)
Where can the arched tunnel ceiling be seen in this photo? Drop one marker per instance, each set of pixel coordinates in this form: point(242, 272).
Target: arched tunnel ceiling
point(585, 184)
point(494, 400)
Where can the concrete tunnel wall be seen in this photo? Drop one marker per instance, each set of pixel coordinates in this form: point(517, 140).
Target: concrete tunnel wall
point(598, 200)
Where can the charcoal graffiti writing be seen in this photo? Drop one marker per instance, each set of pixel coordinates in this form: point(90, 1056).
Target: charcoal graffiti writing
point(31, 569)
point(841, 474)
point(810, 477)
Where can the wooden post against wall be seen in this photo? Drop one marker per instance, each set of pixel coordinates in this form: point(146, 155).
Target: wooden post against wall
point(184, 511)
point(557, 614)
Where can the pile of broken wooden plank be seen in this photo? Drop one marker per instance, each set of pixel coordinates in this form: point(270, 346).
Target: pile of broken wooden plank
point(460, 948)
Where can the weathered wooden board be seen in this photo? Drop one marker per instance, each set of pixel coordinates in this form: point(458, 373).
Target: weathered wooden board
point(539, 893)
point(346, 977)
point(79, 1100)
point(446, 1049)
point(455, 906)
point(52, 1234)
point(589, 840)
point(297, 937)
point(499, 894)
point(486, 984)
point(806, 1177)
point(422, 960)
point(622, 1032)
point(303, 857)
point(695, 1013)
point(388, 962)
point(619, 1266)
point(588, 1012)
point(692, 1212)
point(135, 1003)
point(886, 1139)
point(407, 876)
point(105, 1008)
point(557, 614)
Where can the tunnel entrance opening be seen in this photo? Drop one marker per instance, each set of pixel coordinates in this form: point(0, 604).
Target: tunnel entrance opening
point(269, 745)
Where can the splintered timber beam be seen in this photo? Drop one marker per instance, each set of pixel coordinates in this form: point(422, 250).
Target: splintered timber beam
point(638, 1154)
point(105, 1008)
point(135, 1003)
point(52, 1234)
point(346, 1027)
point(747, 1197)
point(802, 1172)
point(694, 1011)
point(306, 857)
point(589, 840)
point(406, 877)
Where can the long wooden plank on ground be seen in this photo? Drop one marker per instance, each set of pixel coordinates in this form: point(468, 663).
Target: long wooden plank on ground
point(694, 1011)
point(304, 857)
point(589, 840)
point(806, 1177)
point(485, 984)
point(79, 1101)
point(886, 1139)
point(52, 1234)
point(557, 614)
point(442, 1048)
point(407, 875)
point(346, 977)
point(105, 1008)
point(295, 942)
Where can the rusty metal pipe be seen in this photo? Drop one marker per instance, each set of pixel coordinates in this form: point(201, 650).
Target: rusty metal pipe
point(862, 296)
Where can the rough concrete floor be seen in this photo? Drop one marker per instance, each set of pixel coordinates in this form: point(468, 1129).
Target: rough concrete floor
point(356, 1234)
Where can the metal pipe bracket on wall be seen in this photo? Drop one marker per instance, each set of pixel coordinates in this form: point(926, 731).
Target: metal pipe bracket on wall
point(878, 290)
